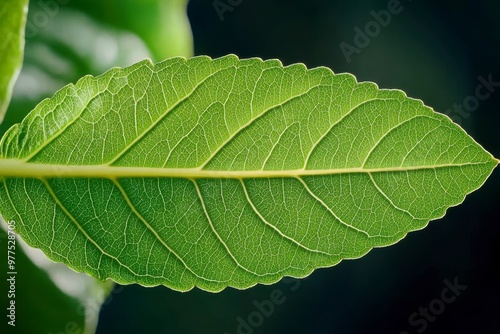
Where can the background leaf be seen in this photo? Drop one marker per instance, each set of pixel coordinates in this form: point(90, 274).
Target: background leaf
point(12, 20)
point(235, 173)
point(162, 24)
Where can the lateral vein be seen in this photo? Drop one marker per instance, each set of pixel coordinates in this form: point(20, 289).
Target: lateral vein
point(153, 231)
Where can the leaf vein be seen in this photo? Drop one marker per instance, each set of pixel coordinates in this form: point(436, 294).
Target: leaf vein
point(205, 211)
point(339, 121)
point(320, 201)
point(80, 228)
point(162, 116)
point(274, 228)
point(252, 120)
point(153, 231)
point(385, 135)
point(389, 199)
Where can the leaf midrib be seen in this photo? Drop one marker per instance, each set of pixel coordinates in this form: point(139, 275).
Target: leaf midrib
point(21, 168)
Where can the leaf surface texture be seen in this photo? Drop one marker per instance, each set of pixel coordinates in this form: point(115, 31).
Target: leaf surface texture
point(228, 172)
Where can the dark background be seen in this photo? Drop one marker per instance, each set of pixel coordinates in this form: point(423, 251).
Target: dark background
point(434, 51)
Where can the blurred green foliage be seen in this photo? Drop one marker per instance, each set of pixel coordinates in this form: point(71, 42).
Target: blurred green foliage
point(161, 24)
point(12, 20)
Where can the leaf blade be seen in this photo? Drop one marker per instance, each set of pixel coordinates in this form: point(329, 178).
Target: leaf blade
point(235, 173)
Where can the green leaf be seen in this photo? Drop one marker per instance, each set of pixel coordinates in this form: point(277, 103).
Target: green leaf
point(228, 172)
point(12, 21)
